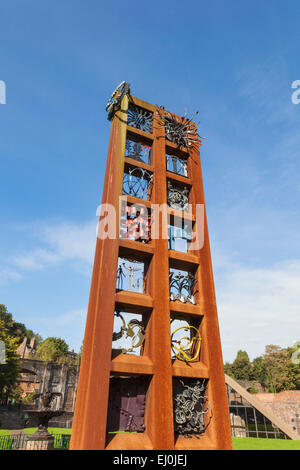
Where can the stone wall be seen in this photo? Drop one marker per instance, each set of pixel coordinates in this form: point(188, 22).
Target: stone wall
point(38, 376)
point(285, 405)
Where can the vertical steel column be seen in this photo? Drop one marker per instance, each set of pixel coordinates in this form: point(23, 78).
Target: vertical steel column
point(89, 427)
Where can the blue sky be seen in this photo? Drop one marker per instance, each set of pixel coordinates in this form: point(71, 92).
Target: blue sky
point(234, 63)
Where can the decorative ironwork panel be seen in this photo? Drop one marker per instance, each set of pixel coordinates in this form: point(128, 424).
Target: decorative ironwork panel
point(129, 333)
point(135, 223)
point(138, 183)
point(178, 196)
point(182, 286)
point(177, 165)
point(140, 118)
point(179, 130)
point(126, 406)
point(138, 151)
point(180, 238)
point(185, 341)
point(130, 275)
point(190, 406)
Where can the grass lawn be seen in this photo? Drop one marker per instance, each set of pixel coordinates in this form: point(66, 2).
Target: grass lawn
point(253, 443)
point(51, 430)
point(239, 443)
point(6, 432)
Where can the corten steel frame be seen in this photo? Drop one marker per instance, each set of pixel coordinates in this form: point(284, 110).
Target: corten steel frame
point(97, 365)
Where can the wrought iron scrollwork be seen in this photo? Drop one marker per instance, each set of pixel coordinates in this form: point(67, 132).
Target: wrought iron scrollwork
point(182, 131)
point(134, 330)
point(186, 348)
point(114, 102)
point(183, 285)
point(140, 118)
point(178, 196)
point(137, 182)
point(190, 407)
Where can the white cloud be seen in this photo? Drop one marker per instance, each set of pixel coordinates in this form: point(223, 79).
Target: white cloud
point(9, 275)
point(258, 307)
point(57, 243)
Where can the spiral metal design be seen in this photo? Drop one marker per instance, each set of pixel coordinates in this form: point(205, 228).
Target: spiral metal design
point(140, 118)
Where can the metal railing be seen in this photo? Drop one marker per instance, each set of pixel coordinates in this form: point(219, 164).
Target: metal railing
point(19, 441)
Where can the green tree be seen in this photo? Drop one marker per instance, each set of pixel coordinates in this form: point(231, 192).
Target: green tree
point(294, 356)
point(258, 372)
point(277, 363)
point(53, 350)
point(10, 370)
point(241, 366)
point(228, 369)
point(14, 328)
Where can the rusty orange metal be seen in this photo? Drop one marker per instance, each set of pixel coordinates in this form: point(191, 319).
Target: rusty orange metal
point(90, 418)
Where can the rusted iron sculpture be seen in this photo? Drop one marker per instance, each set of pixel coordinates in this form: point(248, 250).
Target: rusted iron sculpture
point(186, 348)
point(155, 399)
point(134, 330)
point(182, 131)
point(190, 407)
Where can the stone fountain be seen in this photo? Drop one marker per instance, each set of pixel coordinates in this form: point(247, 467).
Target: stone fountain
point(42, 439)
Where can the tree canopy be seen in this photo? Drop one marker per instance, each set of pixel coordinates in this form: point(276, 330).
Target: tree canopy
point(9, 371)
point(275, 369)
point(16, 329)
point(53, 350)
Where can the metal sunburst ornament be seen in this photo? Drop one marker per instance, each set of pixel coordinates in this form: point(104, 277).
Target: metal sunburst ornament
point(182, 131)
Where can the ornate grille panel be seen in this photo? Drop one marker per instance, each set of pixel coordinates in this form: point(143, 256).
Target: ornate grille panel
point(180, 238)
point(138, 151)
point(140, 118)
point(129, 333)
point(138, 183)
point(190, 406)
point(179, 130)
point(130, 275)
point(178, 196)
point(177, 165)
point(185, 340)
point(182, 286)
point(135, 223)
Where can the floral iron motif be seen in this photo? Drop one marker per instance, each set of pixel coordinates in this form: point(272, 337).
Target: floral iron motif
point(178, 197)
point(186, 348)
point(140, 118)
point(190, 407)
point(182, 131)
point(114, 102)
point(184, 285)
point(134, 330)
point(137, 182)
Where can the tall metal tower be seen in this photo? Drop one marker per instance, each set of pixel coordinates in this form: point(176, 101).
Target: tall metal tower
point(151, 374)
